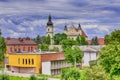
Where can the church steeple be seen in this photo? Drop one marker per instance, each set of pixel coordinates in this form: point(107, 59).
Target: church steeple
point(65, 28)
point(79, 27)
point(49, 21)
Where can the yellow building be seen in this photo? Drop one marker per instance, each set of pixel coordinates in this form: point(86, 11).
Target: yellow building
point(23, 63)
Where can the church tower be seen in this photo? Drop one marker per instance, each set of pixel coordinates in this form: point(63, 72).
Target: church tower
point(49, 29)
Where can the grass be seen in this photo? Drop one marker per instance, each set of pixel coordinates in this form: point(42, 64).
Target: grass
point(17, 78)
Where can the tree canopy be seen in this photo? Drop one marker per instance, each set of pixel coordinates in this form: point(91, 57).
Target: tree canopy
point(73, 55)
point(59, 37)
point(110, 59)
point(68, 43)
point(113, 37)
point(2, 48)
point(81, 40)
point(94, 41)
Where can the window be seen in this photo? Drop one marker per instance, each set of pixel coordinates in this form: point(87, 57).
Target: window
point(28, 49)
point(23, 48)
point(32, 61)
point(15, 49)
point(18, 60)
point(19, 50)
point(23, 61)
point(48, 29)
point(10, 49)
point(26, 61)
point(29, 61)
point(31, 48)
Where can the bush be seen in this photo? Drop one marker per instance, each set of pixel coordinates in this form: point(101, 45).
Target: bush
point(33, 77)
point(55, 49)
point(70, 74)
point(44, 47)
point(95, 73)
point(93, 62)
point(4, 77)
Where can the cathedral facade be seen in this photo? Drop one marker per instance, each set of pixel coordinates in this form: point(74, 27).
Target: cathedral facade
point(74, 32)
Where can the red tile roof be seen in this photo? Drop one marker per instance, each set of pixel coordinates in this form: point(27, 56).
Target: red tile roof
point(83, 34)
point(13, 41)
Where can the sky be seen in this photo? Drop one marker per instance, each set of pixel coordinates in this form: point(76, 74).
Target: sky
point(21, 18)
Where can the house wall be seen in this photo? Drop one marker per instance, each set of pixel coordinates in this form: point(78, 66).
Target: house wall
point(46, 68)
point(88, 56)
point(23, 48)
point(24, 61)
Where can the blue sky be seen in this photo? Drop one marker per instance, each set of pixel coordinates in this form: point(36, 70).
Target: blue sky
point(20, 18)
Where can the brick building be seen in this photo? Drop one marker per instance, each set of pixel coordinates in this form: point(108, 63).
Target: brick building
point(18, 45)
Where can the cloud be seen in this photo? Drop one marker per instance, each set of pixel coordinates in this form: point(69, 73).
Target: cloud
point(29, 17)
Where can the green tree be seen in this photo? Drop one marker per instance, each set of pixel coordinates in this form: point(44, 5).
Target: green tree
point(110, 59)
point(47, 40)
point(44, 47)
point(113, 37)
point(94, 41)
point(73, 55)
point(2, 48)
point(70, 74)
point(81, 40)
point(68, 43)
point(59, 37)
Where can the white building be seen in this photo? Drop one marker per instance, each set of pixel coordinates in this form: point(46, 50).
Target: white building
point(90, 53)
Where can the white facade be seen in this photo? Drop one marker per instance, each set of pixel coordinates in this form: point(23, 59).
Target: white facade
point(46, 66)
point(90, 53)
point(54, 67)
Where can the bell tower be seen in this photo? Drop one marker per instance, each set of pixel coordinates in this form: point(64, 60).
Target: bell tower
point(50, 29)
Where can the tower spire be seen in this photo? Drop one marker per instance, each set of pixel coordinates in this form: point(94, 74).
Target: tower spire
point(49, 20)
point(79, 27)
point(65, 28)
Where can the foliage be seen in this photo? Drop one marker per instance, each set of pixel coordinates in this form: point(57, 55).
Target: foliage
point(33, 77)
point(2, 48)
point(44, 47)
point(94, 41)
point(55, 49)
point(70, 74)
point(59, 37)
point(48, 40)
point(42, 39)
point(110, 59)
point(4, 77)
point(68, 43)
point(18, 78)
point(93, 62)
point(81, 40)
point(95, 73)
point(113, 37)
point(73, 55)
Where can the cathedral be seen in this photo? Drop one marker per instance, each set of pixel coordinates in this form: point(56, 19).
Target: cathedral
point(72, 32)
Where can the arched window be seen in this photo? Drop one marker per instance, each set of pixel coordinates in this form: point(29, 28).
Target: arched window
point(23, 61)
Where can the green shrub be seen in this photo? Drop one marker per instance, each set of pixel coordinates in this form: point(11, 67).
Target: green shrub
point(93, 62)
point(55, 49)
point(4, 77)
point(70, 73)
point(33, 77)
